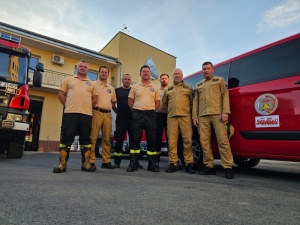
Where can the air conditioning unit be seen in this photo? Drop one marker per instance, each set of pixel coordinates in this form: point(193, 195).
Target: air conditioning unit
point(58, 59)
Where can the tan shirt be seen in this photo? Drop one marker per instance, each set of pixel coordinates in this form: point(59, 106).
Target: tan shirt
point(211, 97)
point(178, 100)
point(161, 94)
point(78, 95)
point(106, 95)
point(144, 96)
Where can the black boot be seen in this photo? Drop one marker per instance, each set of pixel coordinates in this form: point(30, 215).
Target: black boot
point(133, 162)
point(117, 160)
point(152, 163)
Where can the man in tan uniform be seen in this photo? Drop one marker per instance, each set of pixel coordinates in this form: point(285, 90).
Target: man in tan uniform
point(144, 100)
point(102, 118)
point(178, 102)
point(211, 106)
point(77, 94)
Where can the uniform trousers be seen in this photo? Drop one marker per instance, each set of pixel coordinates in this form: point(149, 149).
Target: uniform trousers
point(103, 121)
point(123, 125)
point(76, 124)
point(180, 125)
point(220, 128)
point(144, 119)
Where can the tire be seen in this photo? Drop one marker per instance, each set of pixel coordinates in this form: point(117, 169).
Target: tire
point(15, 149)
point(98, 148)
point(197, 151)
point(246, 163)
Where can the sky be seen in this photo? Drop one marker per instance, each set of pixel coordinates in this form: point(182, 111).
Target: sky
point(194, 31)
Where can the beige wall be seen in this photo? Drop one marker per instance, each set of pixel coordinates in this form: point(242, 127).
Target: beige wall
point(134, 53)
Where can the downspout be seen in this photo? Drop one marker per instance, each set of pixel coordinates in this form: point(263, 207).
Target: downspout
point(121, 70)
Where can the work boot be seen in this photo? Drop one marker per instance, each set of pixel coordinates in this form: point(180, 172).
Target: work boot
point(152, 163)
point(229, 173)
point(207, 171)
point(189, 169)
point(107, 166)
point(171, 169)
point(63, 157)
point(133, 162)
point(85, 158)
point(117, 161)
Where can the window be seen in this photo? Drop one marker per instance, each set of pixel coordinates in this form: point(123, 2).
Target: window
point(222, 71)
point(193, 80)
point(277, 62)
point(33, 62)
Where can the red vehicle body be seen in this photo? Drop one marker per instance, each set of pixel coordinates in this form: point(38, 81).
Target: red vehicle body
point(14, 96)
point(264, 90)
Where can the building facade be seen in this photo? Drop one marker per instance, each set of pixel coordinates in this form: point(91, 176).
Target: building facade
point(123, 54)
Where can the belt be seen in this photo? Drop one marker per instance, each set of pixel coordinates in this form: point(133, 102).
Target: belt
point(101, 110)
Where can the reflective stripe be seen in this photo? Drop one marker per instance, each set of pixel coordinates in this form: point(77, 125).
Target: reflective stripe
point(117, 154)
point(62, 145)
point(132, 151)
point(87, 146)
point(151, 153)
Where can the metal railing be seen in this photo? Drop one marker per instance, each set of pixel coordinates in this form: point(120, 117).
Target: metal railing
point(51, 79)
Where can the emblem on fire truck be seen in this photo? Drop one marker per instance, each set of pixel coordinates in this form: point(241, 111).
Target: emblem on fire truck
point(266, 104)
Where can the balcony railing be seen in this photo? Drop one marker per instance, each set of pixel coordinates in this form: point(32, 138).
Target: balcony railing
point(51, 79)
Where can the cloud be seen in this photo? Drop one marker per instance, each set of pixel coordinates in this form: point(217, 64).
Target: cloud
point(283, 15)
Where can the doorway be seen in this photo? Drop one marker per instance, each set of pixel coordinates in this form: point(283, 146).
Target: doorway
point(35, 115)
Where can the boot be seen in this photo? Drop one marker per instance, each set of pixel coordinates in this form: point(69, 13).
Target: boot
point(133, 162)
point(152, 163)
point(117, 160)
point(85, 159)
point(63, 158)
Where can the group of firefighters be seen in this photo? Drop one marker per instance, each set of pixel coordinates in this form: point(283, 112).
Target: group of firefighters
point(144, 106)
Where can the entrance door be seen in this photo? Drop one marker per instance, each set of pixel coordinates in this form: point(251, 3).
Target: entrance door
point(35, 109)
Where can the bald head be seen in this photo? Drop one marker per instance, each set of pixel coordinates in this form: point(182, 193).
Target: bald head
point(177, 76)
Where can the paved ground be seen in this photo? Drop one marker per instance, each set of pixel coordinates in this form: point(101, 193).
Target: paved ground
point(32, 194)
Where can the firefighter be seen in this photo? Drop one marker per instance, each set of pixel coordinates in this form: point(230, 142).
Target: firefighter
point(77, 94)
point(144, 100)
point(178, 102)
point(211, 106)
point(102, 119)
point(123, 120)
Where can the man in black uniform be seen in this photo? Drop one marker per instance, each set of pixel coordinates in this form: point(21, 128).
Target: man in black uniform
point(123, 120)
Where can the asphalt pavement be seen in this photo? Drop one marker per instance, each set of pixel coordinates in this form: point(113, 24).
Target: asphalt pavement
point(32, 194)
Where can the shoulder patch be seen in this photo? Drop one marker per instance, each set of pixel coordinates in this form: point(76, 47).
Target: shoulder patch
point(216, 79)
point(199, 84)
point(170, 88)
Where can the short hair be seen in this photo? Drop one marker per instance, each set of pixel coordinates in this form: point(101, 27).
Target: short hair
point(82, 61)
point(164, 74)
point(144, 66)
point(126, 74)
point(207, 63)
point(103, 67)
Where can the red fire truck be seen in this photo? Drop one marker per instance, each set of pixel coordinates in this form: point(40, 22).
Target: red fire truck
point(14, 96)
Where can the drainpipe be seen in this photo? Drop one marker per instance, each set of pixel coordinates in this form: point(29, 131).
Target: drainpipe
point(121, 71)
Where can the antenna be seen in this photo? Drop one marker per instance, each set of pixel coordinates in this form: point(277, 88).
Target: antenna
point(125, 28)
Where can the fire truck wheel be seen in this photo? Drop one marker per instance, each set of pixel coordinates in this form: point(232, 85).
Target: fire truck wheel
point(15, 149)
point(246, 163)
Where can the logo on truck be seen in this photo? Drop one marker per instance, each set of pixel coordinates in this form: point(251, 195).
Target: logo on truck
point(266, 104)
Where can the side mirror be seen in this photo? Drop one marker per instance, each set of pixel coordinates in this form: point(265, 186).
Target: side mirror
point(40, 67)
point(37, 79)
